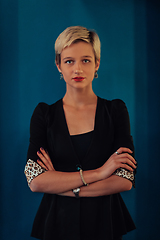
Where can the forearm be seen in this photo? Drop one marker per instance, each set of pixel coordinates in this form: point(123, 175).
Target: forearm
point(55, 182)
point(111, 185)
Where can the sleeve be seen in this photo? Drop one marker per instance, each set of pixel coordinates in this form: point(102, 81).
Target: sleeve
point(38, 138)
point(122, 136)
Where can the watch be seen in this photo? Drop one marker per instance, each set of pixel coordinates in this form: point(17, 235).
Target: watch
point(76, 192)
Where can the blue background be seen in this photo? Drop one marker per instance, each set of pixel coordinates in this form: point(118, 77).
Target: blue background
point(130, 35)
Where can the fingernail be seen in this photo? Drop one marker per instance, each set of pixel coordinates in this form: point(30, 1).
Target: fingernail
point(39, 152)
point(41, 148)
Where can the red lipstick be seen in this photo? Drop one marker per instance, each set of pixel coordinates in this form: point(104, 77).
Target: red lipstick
point(78, 79)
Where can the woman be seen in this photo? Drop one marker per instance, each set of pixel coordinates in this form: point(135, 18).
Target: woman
point(81, 151)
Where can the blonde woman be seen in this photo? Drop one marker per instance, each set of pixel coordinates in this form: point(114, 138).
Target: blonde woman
point(81, 152)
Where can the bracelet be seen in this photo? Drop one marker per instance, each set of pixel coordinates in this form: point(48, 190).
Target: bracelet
point(84, 182)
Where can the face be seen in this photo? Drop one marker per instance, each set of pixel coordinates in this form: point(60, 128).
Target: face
point(78, 65)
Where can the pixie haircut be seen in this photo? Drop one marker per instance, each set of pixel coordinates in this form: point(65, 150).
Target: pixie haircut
point(73, 35)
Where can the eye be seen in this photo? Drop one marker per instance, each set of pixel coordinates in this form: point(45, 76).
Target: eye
point(69, 61)
point(86, 60)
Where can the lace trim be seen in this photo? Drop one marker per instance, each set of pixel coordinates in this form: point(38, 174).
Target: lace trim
point(121, 172)
point(32, 170)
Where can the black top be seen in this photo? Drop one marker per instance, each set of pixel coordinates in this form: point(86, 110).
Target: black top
point(60, 217)
point(81, 143)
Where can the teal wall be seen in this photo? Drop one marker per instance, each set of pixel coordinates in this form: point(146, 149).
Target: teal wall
point(130, 34)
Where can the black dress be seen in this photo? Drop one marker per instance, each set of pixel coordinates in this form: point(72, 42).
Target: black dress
point(61, 217)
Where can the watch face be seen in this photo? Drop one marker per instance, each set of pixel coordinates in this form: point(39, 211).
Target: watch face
point(76, 190)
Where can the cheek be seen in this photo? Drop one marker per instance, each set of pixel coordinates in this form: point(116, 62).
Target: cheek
point(66, 75)
point(91, 75)
point(92, 71)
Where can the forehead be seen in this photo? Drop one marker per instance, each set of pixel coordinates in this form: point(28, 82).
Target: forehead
point(79, 49)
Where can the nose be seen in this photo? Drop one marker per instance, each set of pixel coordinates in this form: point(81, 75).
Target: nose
point(78, 69)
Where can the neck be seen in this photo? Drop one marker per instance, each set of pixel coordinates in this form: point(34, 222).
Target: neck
point(79, 98)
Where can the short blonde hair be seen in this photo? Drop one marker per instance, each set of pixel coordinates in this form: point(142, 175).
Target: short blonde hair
point(75, 34)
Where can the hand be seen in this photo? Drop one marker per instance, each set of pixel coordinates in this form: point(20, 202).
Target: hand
point(45, 161)
point(121, 158)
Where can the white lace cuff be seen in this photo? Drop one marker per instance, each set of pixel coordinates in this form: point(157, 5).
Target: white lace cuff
point(32, 170)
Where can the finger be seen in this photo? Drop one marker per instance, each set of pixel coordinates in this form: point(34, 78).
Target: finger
point(41, 164)
point(131, 164)
point(128, 162)
point(45, 161)
point(126, 155)
point(46, 155)
point(127, 167)
point(123, 150)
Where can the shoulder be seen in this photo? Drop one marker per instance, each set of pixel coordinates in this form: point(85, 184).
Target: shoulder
point(43, 111)
point(119, 107)
point(114, 106)
point(44, 108)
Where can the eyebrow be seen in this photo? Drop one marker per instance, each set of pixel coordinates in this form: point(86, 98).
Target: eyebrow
point(73, 57)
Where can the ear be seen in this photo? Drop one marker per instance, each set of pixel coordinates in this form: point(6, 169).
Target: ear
point(97, 65)
point(58, 67)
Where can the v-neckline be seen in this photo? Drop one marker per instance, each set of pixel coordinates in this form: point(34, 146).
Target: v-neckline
point(64, 116)
point(69, 136)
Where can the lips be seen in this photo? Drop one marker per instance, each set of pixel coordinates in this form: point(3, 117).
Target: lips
point(78, 79)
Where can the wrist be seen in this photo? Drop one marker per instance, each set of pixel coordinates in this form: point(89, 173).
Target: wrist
point(100, 174)
point(95, 175)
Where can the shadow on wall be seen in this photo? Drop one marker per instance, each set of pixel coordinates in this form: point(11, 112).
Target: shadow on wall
point(147, 73)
